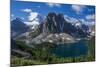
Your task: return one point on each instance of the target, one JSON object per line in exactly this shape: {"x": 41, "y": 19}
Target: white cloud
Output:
{"x": 87, "y": 22}
{"x": 32, "y": 19}
{"x": 22, "y": 18}
{"x": 74, "y": 20}
{"x": 70, "y": 19}
{"x": 90, "y": 17}
{"x": 38, "y": 6}
{"x": 12, "y": 16}
{"x": 78, "y": 8}
{"x": 33, "y": 24}
{"x": 27, "y": 10}
{"x": 32, "y": 16}
{"x": 53, "y": 4}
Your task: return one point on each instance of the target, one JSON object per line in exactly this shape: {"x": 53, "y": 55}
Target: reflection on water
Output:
{"x": 71, "y": 50}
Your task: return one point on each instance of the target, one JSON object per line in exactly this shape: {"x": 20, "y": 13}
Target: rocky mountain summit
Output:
{"x": 54, "y": 29}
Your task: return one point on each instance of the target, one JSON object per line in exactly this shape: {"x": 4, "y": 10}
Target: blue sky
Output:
{"x": 24, "y": 9}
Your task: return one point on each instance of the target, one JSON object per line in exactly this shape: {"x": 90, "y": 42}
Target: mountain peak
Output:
{"x": 18, "y": 27}
{"x": 56, "y": 23}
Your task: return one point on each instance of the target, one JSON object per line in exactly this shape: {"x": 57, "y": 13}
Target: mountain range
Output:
{"x": 55, "y": 28}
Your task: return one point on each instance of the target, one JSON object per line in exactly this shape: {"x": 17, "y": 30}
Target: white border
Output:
{"x": 86, "y": 2}
{"x": 4, "y": 33}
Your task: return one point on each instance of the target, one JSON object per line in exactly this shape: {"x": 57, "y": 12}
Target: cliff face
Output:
{"x": 55, "y": 23}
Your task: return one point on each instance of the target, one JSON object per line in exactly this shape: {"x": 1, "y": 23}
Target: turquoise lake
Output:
{"x": 71, "y": 50}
